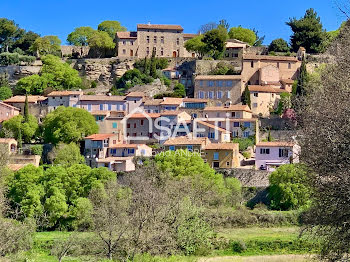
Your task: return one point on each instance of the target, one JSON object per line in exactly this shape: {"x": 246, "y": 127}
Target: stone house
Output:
{"x": 219, "y": 89}
{"x": 174, "y": 123}
{"x": 164, "y": 40}
{"x": 110, "y": 122}
{"x": 7, "y": 111}
{"x": 234, "y": 50}
{"x": 37, "y": 105}
{"x": 63, "y": 98}
{"x": 189, "y": 143}
{"x": 264, "y": 99}
{"x": 93, "y": 103}
{"x": 222, "y": 155}
{"x": 213, "y": 132}
{"x": 270, "y": 155}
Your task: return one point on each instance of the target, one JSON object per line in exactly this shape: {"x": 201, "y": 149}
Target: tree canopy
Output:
{"x": 21, "y": 129}
{"x": 196, "y": 45}
{"x": 100, "y": 39}
{"x": 67, "y": 155}
{"x": 279, "y": 45}
{"x": 47, "y": 45}
{"x": 80, "y": 36}
{"x": 214, "y": 41}
{"x": 308, "y": 32}
{"x": 111, "y": 27}
{"x": 243, "y": 34}
{"x": 68, "y": 124}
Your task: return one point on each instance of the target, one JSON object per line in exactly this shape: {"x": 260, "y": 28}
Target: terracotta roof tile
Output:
{"x": 184, "y": 140}
{"x": 171, "y": 101}
{"x": 136, "y": 94}
{"x": 160, "y": 27}
{"x": 266, "y": 89}
{"x": 98, "y": 137}
{"x": 21, "y": 99}
{"x": 112, "y": 159}
{"x": 125, "y": 146}
{"x": 190, "y": 35}
{"x": 195, "y": 100}
{"x": 65, "y": 93}
{"x": 126, "y": 35}
{"x": 99, "y": 113}
{"x": 222, "y": 146}
{"x": 212, "y": 126}
{"x": 287, "y": 81}
{"x": 9, "y": 106}
{"x": 101, "y": 98}
{"x": 145, "y": 115}
{"x": 152, "y": 102}
{"x": 275, "y": 144}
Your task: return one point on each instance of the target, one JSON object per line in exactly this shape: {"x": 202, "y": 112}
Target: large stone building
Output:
{"x": 165, "y": 40}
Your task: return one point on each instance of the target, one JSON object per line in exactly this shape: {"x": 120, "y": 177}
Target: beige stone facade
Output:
{"x": 222, "y": 155}
{"x": 165, "y": 40}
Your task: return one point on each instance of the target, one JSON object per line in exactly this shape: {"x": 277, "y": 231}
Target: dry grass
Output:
{"x": 277, "y": 258}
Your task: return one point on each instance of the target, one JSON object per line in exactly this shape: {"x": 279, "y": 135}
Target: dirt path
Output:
{"x": 277, "y": 258}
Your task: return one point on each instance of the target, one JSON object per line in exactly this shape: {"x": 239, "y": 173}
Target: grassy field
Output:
{"x": 261, "y": 244}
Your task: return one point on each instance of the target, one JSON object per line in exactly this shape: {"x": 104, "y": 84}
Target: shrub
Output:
{"x": 37, "y": 150}
{"x": 5, "y": 92}
{"x": 238, "y": 246}
{"x": 244, "y": 143}
{"x": 93, "y": 84}
{"x": 247, "y": 154}
{"x": 14, "y": 59}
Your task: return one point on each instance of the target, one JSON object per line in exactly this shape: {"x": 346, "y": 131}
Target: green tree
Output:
{"x": 26, "y": 110}
{"x": 67, "y": 155}
{"x": 25, "y": 42}
{"x": 246, "y": 96}
{"x": 308, "y": 32}
{"x": 33, "y": 85}
{"x": 111, "y": 27}
{"x": 47, "y": 45}
{"x": 288, "y": 187}
{"x": 234, "y": 187}
{"x": 302, "y": 79}
{"x": 243, "y": 34}
{"x": 5, "y": 93}
{"x": 214, "y": 41}
{"x": 18, "y": 127}
{"x": 80, "y": 36}
{"x": 9, "y": 32}
{"x": 101, "y": 41}
{"x": 196, "y": 45}
{"x": 68, "y": 124}
{"x": 179, "y": 90}
{"x": 279, "y": 45}
{"x": 153, "y": 72}
{"x": 26, "y": 190}
{"x": 284, "y": 103}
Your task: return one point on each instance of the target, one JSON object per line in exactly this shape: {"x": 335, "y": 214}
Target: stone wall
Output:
{"x": 75, "y": 51}
{"x": 248, "y": 177}
{"x": 16, "y": 72}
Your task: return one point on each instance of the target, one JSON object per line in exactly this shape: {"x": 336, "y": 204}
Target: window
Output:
{"x": 201, "y": 94}
{"x": 141, "y": 122}
{"x": 220, "y": 83}
{"x": 211, "y": 94}
{"x": 211, "y": 83}
{"x": 131, "y": 151}
{"x": 101, "y": 107}
{"x": 247, "y": 124}
{"x": 113, "y": 151}
{"x": 155, "y": 49}
{"x": 227, "y": 163}
{"x": 246, "y": 134}
{"x": 235, "y": 124}
{"x": 264, "y": 151}
{"x": 219, "y": 94}
{"x": 89, "y": 107}
{"x": 252, "y": 64}
{"x": 211, "y": 135}
{"x": 233, "y": 114}
{"x": 109, "y": 107}
{"x": 201, "y": 82}
{"x": 155, "y": 39}
{"x": 283, "y": 152}
{"x": 162, "y": 51}
{"x": 147, "y": 50}
{"x": 218, "y": 114}
{"x": 228, "y": 93}
{"x": 134, "y": 125}
{"x": 229, "y": 83}
{"x": 216, "y": 164}
{"x": 128, "y": 125}
{"x": 147, "y": 39}
{"x": 278, "y": 65}
{"x": 178, "y": 41}
{"x": 172, "y": 148}
{"x": 124, "y": 51}
{"x": 190, "y": 148}
{"x": 131, "y": 42}
{"x": 256, "y": 94}
{"x": 234, "y": 133}
{"x": 162, "y": 39}
{"x": 60, "y": 97}
{"x": 216, "y": 156}
{"x": 114, "y": 125}
{"x": 255, "y": 105}
{"x": 289, "y": 66}
{"x": 114, "y": 142}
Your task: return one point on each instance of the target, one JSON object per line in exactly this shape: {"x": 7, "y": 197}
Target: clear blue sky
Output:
{"x": 60, "y": 17}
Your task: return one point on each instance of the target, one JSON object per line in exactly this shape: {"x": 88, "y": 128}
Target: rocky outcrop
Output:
{"x": 152, "y": 89}
{"x": 16, "y": 72}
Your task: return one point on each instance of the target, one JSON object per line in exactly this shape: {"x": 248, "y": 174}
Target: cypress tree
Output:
{"x": 269, "y": 137}
{"x": 302, "y": 79}
{"x": 26, "y": 110}
{"x": 246, "y": 97}
{"x": 145, "y": 66}
{"x": 153, "y": 70}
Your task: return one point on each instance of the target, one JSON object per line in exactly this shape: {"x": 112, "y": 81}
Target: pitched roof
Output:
{"x": 270, "y": 57}
{"x": 7, "y": 140}
{"x": 230, "y": 108}
{"x": 136, "y": 94}
{"x": 99, "y": 113}
{"x": 112, "y": 159}
{"x": 266, "y": 89}
{"x": 9, "y": 106}
{"x": 159, "y": 27}
{"x": 21, "y": 99}
{"x": 152, "y": 102}
{"x": 65, "y": 93}
{"x": 218, "y": 77}
{"x": 140, "y": 115}
{"x": 222, "y": 146}
{"x": 125, "y": 146}
{"x": 276, "y": 144}
{"x": 213, "y": 126}
{"x": 98, "y": 137}
{"x": 101, "y": 98}
{"x": 171, "y": 101}
{"x": 184, "y": 140}
{"x": 287, "y": 81}
{"x": 126, "y": 35}
{"x": 190, "y": 35}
